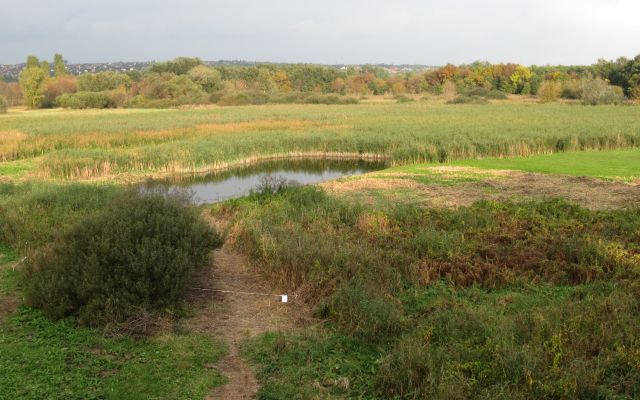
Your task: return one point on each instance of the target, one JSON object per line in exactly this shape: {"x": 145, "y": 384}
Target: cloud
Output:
{"x": 332, "y": 31}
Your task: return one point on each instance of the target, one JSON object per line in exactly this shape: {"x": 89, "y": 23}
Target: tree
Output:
{"x": 32, "y": 79}
{"x": 102, "y": 81}
{"x": 46, "y": 68}
{"x": 178, "y": 66}
{"x": 282, "y": 80}
{"x": 520, "y": 79}
{"x": 32, "y": 61}
{"x": 209, "y": 78}
{"x": 59, "y": 69}
{"x": 12, "y": 92}
{"x": 632, "y": 71}
{"x": 398, "y": 88}
{"x": 338, "y": 86}
{"x": 57, "y": 87}
{"x": 264, "y": 81}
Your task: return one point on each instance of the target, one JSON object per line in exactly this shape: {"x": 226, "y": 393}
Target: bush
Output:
{"x": 103, "y": 81}
{"x": 178, "y": 66}
{"x": 484, "y": 92}
{"x": 596, "y": 91}
{"x": 4, "y": 104}
{"x": 244, "y": 98}
{"x": 171, "y": 89}
{"x": 463, "y": 99}
{"x": 12, "y": 92}
{"x": 84, "y": 100}
{"x": 210, "y": 79}
{"x": 403, "y": 99}
{"x": 135, "y": 257}
{"x": 549, "y": 91}
{"x": 57, "y": 87}
{"x": 327, "y": 99}
{"x": 571, "y": 89}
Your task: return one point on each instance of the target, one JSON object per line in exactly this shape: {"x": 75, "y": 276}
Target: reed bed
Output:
{"x": 112, "y": 143}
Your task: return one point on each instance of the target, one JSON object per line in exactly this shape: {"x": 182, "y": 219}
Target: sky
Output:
{"x": 328, "y": 31}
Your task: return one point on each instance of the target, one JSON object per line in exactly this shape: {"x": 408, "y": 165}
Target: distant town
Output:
{"x": 10, "y": 72}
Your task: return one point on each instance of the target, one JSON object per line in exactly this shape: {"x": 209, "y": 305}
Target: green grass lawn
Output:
{"x": 55, "y": 360}
{"x": 615, "y": 164}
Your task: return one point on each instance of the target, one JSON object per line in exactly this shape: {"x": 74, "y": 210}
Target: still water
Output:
{"x": 212, "y": 188}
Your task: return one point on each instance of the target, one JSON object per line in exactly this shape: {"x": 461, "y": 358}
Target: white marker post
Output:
{"x": 284, "y": 298}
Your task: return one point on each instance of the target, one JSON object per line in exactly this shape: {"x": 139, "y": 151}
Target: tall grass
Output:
{"x": 31, "y": 214}
{"x": 89, "y": 144}
{"x": 496, "y": 300}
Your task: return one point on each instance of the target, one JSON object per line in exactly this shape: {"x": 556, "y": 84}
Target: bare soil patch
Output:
{"x": 234, "y": 317}
{"x": 499, "y": 185}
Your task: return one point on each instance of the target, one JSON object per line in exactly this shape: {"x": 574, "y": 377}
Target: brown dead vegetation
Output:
{"x": 498, "y": 185}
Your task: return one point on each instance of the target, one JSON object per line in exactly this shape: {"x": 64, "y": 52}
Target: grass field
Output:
{"x": 439, "y": 277}
{"x": 91, "y": 144}
{"x": 616, "y": 165}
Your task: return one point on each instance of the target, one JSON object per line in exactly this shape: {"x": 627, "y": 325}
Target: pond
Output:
{"x": 213, "y": 188}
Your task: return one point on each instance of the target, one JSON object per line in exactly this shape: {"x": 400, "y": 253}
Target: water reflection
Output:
{"x": 212, "y": 188}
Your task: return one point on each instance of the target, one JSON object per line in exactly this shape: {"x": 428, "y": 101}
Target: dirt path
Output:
{"x": 234, "y": 317}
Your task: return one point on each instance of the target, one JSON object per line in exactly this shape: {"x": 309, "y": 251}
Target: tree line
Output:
{"x": 190, "y": 81}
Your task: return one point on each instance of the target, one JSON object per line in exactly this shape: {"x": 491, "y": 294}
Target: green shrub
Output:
{"x": 464, "y": 99}
{"x": 103, "y": 81}
{"x": 82, "y": 100}
{"x": 209, "y": 78}
{"x": 166, "y": 90}
{"x": 571, "y": 89}
{"x": 178, "y": 66}
{"x": 257, "y": 97}
{"x": 244, "y": 98}
{"x": 4, "y": 104}
{"x": 596, "y": 91}
{"x": 493, "y": 94}
{"x": 135, "y": 257}
{"x": 549, "y": 91}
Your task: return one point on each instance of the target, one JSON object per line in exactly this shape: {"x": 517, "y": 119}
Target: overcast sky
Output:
{"x": 327, "y": 31}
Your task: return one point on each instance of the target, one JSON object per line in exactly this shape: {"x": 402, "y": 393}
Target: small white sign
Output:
{"x": 284, "y": 298}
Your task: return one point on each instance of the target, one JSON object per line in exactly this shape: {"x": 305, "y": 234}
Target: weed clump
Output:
{"x": 134, "y": 258}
